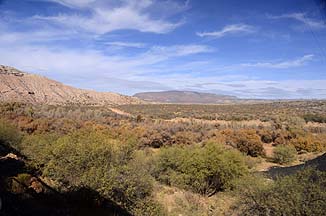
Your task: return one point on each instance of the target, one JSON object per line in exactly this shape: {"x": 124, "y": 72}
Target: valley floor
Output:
{"x": 196, "y": 160}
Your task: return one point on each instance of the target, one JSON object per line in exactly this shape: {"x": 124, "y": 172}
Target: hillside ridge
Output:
{"x": 19, "y": 86}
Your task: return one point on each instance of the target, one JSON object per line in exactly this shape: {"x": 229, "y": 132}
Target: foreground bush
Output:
{"x": 9, "y": 138}
{"x": 284, "y": 154}
{"x": 205, "y": 170}
{"x": 91, "y": 158}
{"x": 301, "y": 194}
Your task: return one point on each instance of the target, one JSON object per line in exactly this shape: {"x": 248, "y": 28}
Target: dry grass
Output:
{"x": 120, "y": 112}
{"x": 224, "y": 123}
{"x": 178, "y": 202}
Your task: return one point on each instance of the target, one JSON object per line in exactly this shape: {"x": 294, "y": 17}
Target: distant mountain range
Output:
{"x": 188, "y": 97}
{"x": 18, "y": 86}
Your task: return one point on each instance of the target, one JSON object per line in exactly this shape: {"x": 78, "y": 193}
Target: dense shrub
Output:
{"x": 38, "y": 148}
{"x": 91, "y": 158}
{"x": 155, "y": 139}
{"x": 302, "y": 140}
{"x": 247, "y": 141}
{"x": 9, "y": 137}
{"x": 204, "y": 170}
{"x": 303, "y": 193}
{"x": 266, "y": 136}
{"x": 284, "y": 154}
{"x": 281, "y": 138}
{"x": 293, "y": 122}
{"x": 309, "y": 142}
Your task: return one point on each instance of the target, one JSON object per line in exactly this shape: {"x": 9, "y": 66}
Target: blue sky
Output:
{"x": 247, "y": 48}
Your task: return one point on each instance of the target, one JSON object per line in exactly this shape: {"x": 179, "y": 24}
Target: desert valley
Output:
{"x": 162, "y": 108}
{"x": 67, "y": 151}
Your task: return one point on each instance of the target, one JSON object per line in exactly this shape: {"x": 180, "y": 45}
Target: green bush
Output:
{"x": 19, "y": 184}
{"x": 91, "y": 158}
{"x": 284, "y": 154}
{"x": 9, "y": 135}
{"x": 37, "y": 148}
{"x": 303, "y": 193}
{"x": 205, "y": 170}
{"x": 149, "y": 207}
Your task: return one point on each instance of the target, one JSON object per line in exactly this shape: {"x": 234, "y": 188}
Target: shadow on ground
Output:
{"x": 318, "y": 163}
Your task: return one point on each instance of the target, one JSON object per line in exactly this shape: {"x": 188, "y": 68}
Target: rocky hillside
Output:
{"x": 185, "y": 97}
{"x": 18, "y": 86}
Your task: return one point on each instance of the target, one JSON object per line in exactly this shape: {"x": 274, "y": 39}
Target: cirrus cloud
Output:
{"x": 301, "y": 17}
{"x": 227, "y": 30}
{"x": 108, "y": 16}
{"x": 282, "y": 64}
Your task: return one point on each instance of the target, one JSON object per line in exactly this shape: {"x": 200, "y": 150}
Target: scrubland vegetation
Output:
{"x": 163, "y": 159}
{"x": 309, "y": 110}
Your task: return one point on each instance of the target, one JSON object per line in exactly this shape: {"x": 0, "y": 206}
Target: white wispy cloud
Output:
{"x": 229, "y": 29}
{"x": 159, "y": 54}
{"x": 282, "y": 64}
{"x": 301, "y": 17}
{"x": 106, "y": 16}
{"x": 179, "y": 50}
{"x": 73, "y": 3}
{"x": 76, "y": 61}
{"x": 39, "y": 47}
{"x": 125, "y": 44}
{"x": 246, "y": 87}
{"x": 38, "y": 36}
{"x": 93, "y": 69}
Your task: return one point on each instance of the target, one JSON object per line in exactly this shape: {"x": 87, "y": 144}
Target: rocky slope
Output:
{"x": 18, "y": 86}
{"x": 189, "y": 97}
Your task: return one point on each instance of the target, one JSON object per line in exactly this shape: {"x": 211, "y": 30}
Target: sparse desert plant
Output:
{"x": 284, "y": 154}
{"x": 266, "y": 138}
{"x": 320, "y": 118}
{"x": 293, "y": 122}
{"x": 203, "y": 169}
